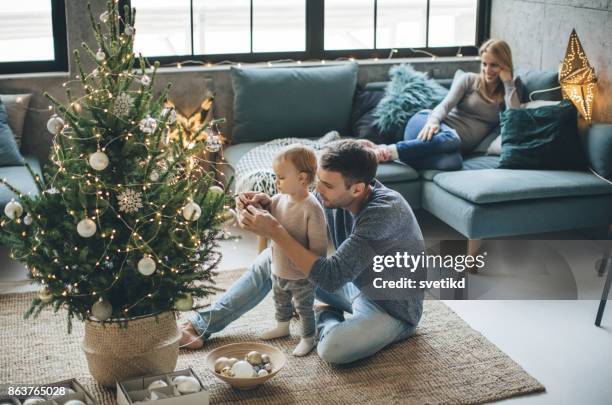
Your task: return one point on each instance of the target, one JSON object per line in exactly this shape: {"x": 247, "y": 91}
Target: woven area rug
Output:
{"x": 446, "y": 362}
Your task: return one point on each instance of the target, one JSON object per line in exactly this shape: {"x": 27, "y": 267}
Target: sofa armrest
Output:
{"x": 598, "y": 149}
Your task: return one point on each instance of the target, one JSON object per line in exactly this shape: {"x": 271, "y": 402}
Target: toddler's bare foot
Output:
{"x": 190, "y": 338}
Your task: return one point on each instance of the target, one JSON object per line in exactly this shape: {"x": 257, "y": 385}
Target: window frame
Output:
{"x": 60, "y": 47}
{"x": 315, "y": 21}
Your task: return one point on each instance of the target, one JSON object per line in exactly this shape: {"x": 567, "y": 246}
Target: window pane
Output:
{"x": 349, "y": 24}
{"x": 401, "y": 23}
{"x": 26, "y": 31}
{"x": 279, "y": 25}
{"x": 163, "y": 28}
{"x": 452, "y": 22}
{"x": 221, "y": 26}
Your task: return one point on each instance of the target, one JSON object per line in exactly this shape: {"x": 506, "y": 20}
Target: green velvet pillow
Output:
{"x": 271, "y": 103}
{"x": 541, "y": 138}
{"x": 9, "y": 151}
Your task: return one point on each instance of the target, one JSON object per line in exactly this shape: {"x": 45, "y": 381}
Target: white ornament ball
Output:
{"x": 154, "y": 176}
{"x": 184, "y": 304}
{"x": 28, "y": 219}
{"x": 33, "y": 400}
{"x": 192, "y": 211}
{"x": 55, "y": 124}
{"x": 45, "y": 295}
{"x": 129, "y": 30}
{"x": 98, "y": 160}
{"x": 157, "y": 384}
{"x": 13, "y": 209}
{"x": 86, "y": 228}
{"x": 221, "y": 363}
{"x": 102, "y": 310}
{"x": 188, "y": 385}
{"x": 170, "y": 113}
{"x": 216, "y": 191}
{"x": 74, "y": 402}
{"x": 146, "y": 266}
{"x": 104, "y": 17}
{"x": 262, "y": 373}
{"x": 233, "y": 361}
{"x": 145, "y": 80}
{"x": 100, "y": 56}
{"x": 242, "y": 369}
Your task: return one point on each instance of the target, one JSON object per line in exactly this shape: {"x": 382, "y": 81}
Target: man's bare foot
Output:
{"x": 383, "y": 154}
{"x": 190, "y": 338}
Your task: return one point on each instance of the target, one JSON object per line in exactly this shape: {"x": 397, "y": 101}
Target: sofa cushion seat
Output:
{"x": 19, "y": 177}
{"x": 474, "y": 162}
{"x": 391, "y": 172}
{"x": 499, "y": 185}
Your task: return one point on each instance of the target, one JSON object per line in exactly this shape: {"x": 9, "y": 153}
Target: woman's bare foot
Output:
{"x": 190, "y": 338}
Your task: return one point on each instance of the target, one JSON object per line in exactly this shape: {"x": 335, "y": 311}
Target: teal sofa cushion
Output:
{"x": 598, "y": 147}
{"x": 9, "y": 151}
{"x": 272, "y": 103}
{"x": 533, "y": 80}
{"x": 497, "y": 185}
{"x": 541, "y": 138}
{"x": 471, "y": 162}
{"x": 19, "y": 177}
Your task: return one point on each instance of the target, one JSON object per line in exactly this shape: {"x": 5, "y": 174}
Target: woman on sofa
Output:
{"x": 436, "y": 139}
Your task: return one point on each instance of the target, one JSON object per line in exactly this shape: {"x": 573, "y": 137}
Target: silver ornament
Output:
{"x": 254, "y": 357}
{"x": 28, "y": 219}
{"x": 13, "y": 209}
{"x": 265, "y": 358}
{"x": 212, "y": 143}
{"x": 86, "y": 228}
{"x": 129, "y": 30}
{"x": 148, "y": 125}
{"x": 100, "y": 56}
{"x": 102, "y": 310}
{"x": 146, "y": 266}
{"x": 192, "y": 211}
{"x": 55, "y": 124}
{"x": 262, "y": 373}
{"x": 170, "y": 113}
{"x": 98, "y": 160}
{"x": 184, "y": 304}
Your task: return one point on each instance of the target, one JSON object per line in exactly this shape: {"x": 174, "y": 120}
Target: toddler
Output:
{"x": 301, "y": 214}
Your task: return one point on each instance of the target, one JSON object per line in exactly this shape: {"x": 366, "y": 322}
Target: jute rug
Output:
{"x": 446, "y": 362}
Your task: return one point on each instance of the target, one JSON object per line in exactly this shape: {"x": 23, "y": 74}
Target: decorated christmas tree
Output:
{"x": 126, "y": 222}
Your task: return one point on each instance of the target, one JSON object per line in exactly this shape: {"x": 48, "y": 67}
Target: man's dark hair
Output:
{"x": 356, "y": 162}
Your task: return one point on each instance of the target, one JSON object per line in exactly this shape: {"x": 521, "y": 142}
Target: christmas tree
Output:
{"x": 126, "y": 222}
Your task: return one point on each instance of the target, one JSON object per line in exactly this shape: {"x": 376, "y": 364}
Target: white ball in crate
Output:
{"x": 98, "y": 160}
{"x": 157, "y": 384}
{"x": 184, "y": 304}
{"x": 192, "y": 211}
{"x": 146, "y": 266}
{"x": 74, "y": 402}
{"x": 55, "y": 124}
{"x": 13, "y": 209}
{"x": 102, "y": 310}
{"x": 188, "y": 385}
{"x": 86, "y": 228}
{"x": 242, "y": 369}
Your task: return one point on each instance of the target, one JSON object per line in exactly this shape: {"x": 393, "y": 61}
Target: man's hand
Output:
{"x": 428, "y": 131}
{"x": 260, "y": 222}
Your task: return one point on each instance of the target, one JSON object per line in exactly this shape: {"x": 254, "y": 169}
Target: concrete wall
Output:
{"x": 189, "y": 83}
{"x": 538, "y": 32}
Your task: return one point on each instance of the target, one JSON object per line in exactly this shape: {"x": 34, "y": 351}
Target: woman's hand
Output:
{"x": 428, "y": 131}
{"x": 259, "y": 221}
{"x": 505, "y": 74}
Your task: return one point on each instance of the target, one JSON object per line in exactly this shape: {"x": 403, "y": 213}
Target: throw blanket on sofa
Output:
{"x": 254, "y": 170}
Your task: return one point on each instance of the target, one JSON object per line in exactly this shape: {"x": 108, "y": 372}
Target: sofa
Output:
{"x": 479, "y": 201}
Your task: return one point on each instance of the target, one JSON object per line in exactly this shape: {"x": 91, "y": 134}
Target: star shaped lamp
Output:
{"x": 577, "y": 78}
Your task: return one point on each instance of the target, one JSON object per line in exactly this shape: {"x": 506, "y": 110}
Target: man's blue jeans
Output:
{"x": 369, "y": 330}
{"x": 441, "y": 152}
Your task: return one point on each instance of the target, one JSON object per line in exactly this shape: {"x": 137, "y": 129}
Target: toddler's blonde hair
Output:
{"x": 304, "y": 159}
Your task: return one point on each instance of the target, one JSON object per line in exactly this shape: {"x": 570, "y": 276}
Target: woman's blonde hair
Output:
{"x": 302, "y": 157}
{"x": 500, "y": 50}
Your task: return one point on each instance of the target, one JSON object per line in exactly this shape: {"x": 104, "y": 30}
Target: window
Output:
{"x": 32, "y": 36}
{"x": 263, "y": 30}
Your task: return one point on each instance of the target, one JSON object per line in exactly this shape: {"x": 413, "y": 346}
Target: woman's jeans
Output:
{"x": 441, "y": 152}
{"x": 368, "y": 330}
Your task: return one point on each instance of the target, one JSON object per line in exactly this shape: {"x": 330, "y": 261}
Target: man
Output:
{"x": 362, "y": 215}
